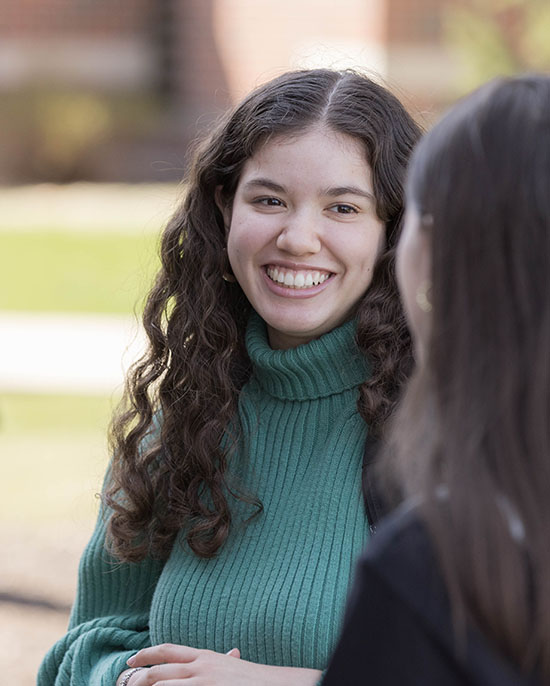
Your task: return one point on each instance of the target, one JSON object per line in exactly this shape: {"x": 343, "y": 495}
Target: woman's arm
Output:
{"x": 109, "y": 619}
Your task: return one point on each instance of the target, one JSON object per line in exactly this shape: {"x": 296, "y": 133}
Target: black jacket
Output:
{"x": 397, "y": 630}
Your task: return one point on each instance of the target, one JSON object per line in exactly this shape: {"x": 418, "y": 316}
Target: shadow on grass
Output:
{"x": 33, "y": 601}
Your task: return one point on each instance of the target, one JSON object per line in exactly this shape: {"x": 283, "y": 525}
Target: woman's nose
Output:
{"x": 300, "y": 235}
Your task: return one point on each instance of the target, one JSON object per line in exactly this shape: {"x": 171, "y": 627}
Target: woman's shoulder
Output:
{"x": 401, "y": 559}
{"x": 400, "y": 536}
{"x": 401, "y": 555}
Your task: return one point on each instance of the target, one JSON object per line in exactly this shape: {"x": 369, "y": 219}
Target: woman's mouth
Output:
{"x": 297, "y": 278}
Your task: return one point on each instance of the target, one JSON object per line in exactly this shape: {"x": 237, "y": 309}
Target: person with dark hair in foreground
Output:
{"x": 455, "y": 587}
{"x": 232, "y": 510}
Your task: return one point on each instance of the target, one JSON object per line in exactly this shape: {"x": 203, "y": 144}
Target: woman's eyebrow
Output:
{"x": 264, "y": 183}
{"x": 333, "y": 191}
{"x": 352, "y": 190}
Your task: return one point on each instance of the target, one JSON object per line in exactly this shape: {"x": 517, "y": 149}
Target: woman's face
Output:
{"x": 413, "y": 267}
{"x": 303, "y": 234}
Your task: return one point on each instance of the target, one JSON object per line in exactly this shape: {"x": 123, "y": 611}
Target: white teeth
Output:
{"x": 299, "y": 279}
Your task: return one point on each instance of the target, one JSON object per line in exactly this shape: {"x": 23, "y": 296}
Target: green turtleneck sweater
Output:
{"x": 278, "y": 586}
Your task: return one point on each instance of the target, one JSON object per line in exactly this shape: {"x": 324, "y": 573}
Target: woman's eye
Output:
{"x": 342, "y": 208}
{"x": 270, "y": 202}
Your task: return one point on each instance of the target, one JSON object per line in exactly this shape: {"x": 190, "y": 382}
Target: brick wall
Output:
{"x": 93, "y": 44}
{"x": 84, "y": 17}
{"x": 414, "y": 21}
{"x": 200, "y": 74}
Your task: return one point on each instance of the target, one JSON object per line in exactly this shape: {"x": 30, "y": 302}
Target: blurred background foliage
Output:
{"x": 56, "y": 133}
{"x": 497, "y": 37}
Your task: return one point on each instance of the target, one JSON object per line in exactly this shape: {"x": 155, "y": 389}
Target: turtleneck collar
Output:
{"x": 325, "y": 366}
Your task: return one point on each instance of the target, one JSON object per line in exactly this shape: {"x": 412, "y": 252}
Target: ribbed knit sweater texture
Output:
{"x": 278, "y": 586}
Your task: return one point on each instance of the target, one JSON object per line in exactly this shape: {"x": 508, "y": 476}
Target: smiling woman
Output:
{"x": 233, "y": 510}
{"x": 305, "y": 256}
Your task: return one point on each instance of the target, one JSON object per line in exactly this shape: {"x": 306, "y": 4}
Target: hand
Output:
{"x": 234, "y": 652}
{"x": 175, "y": 665}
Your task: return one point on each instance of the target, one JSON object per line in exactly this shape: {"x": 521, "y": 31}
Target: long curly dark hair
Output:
{"x": 174, "y": 433}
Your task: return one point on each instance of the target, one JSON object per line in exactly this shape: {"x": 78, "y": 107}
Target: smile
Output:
{"x": 302, "y": 278}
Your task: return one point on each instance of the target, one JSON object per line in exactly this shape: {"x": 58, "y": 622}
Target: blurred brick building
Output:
{"x": 116, "y": 89}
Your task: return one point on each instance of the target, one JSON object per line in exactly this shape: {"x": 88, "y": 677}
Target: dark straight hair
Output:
{"x": 474, "y": 424}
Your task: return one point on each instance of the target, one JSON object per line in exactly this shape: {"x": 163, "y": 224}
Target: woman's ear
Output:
{"x": 224, "y": 208}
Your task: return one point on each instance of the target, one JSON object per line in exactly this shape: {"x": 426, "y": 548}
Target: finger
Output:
{"x": 165, "y": 652}
{"x": 168, "y": 673}
{"x": 234, "y": 652}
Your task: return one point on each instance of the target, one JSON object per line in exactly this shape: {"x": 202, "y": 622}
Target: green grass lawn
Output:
{"x": 54, "y": 453}
{"x": 76, "y": 272}
{"x": 41, "y": 414}
{"x": 53, "y": 448}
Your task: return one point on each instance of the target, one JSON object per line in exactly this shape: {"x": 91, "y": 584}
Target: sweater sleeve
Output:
{"x": 109, "y": 620}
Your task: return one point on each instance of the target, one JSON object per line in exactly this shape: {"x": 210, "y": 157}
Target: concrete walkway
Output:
{"x": 66, "y": 353}
{"x": 87, "y": 207}
{"x": 75, "y": 353}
